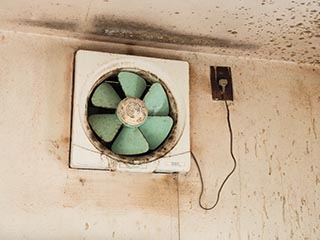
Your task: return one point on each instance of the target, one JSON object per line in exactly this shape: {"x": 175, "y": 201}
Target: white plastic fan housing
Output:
{"x": 90, "y": 67}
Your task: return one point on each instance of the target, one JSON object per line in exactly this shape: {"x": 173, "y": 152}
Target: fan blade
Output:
{"x": 156, "y": 101}
{"x": 156, "y": 129}
{"x": 130, "y": 141}
{"x": 132, "y": 84}
{"x": 105, "y": 126}
{"x": 105, "y": 96}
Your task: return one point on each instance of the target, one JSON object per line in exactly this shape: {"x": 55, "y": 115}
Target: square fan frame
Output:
{"x": 90, "y": 66}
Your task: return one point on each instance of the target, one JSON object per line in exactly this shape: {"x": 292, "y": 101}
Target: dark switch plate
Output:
{"x": 217, "y": 73}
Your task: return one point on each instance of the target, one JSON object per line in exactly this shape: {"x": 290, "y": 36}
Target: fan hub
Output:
{"x": 132, "y": 112}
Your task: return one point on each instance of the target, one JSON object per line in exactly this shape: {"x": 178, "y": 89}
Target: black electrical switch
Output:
{"x": 218, "y": 73}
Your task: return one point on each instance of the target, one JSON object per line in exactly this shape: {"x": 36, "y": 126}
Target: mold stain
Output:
{"x": 296, "y": 23}
{"x": 133, "y": 30}
{"x": 51, "y": 24}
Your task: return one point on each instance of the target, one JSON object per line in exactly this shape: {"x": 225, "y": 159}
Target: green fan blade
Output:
{"x": 105, "y": 96}
{"x": 105, "y": 126}
{"x": 156, "y": 101}
{"x": 132, "y": 84}
{"x": 156, "y": 129}
{"x": 130, "y": 141}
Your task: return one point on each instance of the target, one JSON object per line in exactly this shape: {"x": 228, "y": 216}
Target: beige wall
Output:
{"x": 269, "y": 29}
{"x": 274, "y": 193}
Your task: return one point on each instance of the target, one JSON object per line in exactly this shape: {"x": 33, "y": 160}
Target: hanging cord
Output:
{"x": 230, "y": 173}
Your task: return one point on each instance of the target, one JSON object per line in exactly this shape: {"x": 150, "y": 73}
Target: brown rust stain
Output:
{"x": 139, "y": 31}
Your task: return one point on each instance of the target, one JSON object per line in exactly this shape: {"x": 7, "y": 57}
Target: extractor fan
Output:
{"x": 130, "y": 113}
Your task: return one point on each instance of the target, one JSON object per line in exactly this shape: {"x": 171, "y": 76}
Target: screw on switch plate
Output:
{"x": 221, "y": 83}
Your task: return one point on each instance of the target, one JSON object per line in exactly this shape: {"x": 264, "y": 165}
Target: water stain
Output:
{"x": 86, "y": 226}
{"x": 58, "y": 148}
{"x": 256, "y": 147}
{"x": 54, "y": 144}
{"x": 314, "y": 128}
{"x": 283, "y": 198}
{"x": 307, "y": 148}
{"x": 246, "y": 150}
{"x": 82, "y": 181}
{"x": 120, "y": 190}
{"x": 269, "y": 162}
{"x": 297, "y": 218}
{"x": 264, "y": 207}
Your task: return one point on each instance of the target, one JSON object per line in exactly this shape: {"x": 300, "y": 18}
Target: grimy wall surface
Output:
{"x": 269, "y": 29}
{"x": 274, "y": 193}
